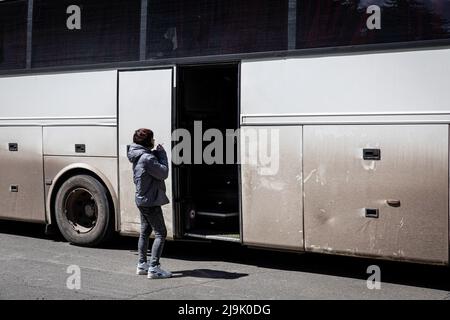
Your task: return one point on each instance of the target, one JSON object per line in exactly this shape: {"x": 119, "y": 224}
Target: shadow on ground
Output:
{"x": 417, "y": 275}
{"x": 208, "y": 274}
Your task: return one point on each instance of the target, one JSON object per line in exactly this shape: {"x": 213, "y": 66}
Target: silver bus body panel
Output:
{"x": 66, "y": 108}
{"x": 67, "y": 95}
{"x": 59, "y": 122}
{"x": 394, "y": 89}
{"x": 145, "y": 101}
{"x": 272, "y": 202}
{"x": 319, "y": 119}
{"x": 98, "y": 141}
{"x": 340, "y": 185}
{"x": 21, "y": 174}
{"x": 371, "y": 83}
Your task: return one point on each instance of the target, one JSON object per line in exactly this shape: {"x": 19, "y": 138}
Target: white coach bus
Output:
{"x": 358, "y": 93}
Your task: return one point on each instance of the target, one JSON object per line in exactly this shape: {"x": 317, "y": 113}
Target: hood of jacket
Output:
{"x": 136, "y": 151}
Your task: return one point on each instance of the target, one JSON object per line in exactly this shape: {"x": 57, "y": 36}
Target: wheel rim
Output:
{"x": 81, "y": 210}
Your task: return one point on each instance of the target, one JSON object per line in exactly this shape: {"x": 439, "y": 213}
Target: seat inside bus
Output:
{"x": 208, "y": 194}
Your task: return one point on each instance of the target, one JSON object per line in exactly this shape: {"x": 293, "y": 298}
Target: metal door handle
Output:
{"x": 393, "y": 203}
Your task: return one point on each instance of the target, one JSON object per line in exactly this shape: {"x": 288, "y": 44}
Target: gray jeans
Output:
{"x": 151, "y": 220}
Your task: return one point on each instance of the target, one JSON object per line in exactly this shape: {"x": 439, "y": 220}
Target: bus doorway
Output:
{"x": 206, "y": 182}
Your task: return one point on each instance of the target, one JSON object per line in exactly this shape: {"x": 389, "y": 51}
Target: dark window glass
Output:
{"x": 182, "y": 28}
{"x": 109, "y": 32}
{"x": 13, "y": 34}
{"x": 322, "y": 23}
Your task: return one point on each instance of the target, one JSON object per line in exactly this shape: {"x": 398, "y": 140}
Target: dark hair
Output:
{"x": 143, "y": 137}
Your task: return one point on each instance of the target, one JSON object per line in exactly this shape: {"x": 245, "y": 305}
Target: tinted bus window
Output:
{"x": 13, "y": 34}
{"x": 92, "y": 31}
{"x": 323, "y": 23}
{"x": 181, "y": 28}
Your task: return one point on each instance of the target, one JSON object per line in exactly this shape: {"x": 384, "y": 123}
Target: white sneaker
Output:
{"x": 142, "y": 269}
{"x": 158, "y": 273}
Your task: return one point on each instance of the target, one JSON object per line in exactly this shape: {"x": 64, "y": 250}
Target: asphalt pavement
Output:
{"x": 36, "y": 266}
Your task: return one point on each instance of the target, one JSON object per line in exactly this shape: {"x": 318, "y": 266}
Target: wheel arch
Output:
{"x": 79, "y": 169}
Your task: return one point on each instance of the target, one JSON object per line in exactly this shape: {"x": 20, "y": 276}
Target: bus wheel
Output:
{"x": 82, "y": 211}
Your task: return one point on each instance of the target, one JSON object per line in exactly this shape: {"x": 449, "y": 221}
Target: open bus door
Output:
{"x": 145, "y": 101}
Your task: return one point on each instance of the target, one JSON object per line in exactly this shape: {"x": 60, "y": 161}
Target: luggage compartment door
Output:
{"x": 377, "y": 190}
{"x": 145, "y": 101}
{"x": 21, "y": 174}
{"x": 271, "y": 173}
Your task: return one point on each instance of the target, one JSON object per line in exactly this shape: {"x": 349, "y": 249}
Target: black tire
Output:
{"x": 83, "y": 212}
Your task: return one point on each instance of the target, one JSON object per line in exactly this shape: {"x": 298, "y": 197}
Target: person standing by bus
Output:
{"x": 150, "y": 169}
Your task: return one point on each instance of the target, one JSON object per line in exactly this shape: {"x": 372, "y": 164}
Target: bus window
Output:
{"x": 105, "y": 31}
{"x": 331, "y": 23}
{"x": 182, "y": 28}
{"x": 13, "y": 34}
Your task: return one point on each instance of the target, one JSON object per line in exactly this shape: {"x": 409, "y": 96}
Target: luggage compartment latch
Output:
{"x": 80, "y": 148}
{"x": 13, "y": 147}
{"x": 372, "y": 213}
{"x": 371, "y": 154}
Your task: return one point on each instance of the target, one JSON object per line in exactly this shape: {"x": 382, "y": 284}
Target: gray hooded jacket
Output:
{"x": 150, "y": 169}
